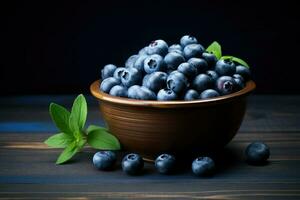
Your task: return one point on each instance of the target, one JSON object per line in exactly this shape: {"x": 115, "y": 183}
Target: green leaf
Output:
{"x": 235, "y": 59}
{"x": 102, "y": 139}
{"x": 94, "y": 127}
{"x": 60, "y": 140}
{"x": 78, "y": 114}
{"x": 215, "y": 48}
{"x": 60, "y": 117}
{"x": 68, "y": 153}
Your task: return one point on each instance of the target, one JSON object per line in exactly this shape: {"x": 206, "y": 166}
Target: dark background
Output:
{"x": 50, "y": 47}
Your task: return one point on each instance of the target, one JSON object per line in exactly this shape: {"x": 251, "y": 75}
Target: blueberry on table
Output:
{"x": 187, "y": 69}
{"x": 225, "y": 85}
{"x": 225, "y": 67}
{"x": 202, "y": 82}
{"x": 131, "y": 76}
{"x": 155, "y": 81}
{"x": 108, "y": 83}
{"x": 104, "y": 160}
{"x": 243, "y": 71}
{"x": 257, "y": 153}
{"x": 132, "y": 164}
{"x": 157, "y": 47}
{"x": 173, "y": 60}
{"x": 209, "y": 93}
{"x": 131, "y": 60}
{"x": 118, "y": 73}
{"x": 188, "y": 39}
{"x": 175, "y": 47}
{"x": 193, "y": 50}
{"x": 199, "y": 63}
{"x": 191, "y": 95}
{"x": 108, "y": 71}
{"x": 118, "y": 91}
{"x": 177, "y": 82}
{"x": 165, "y": 163}
{"x": 210, "y": 58}
{"x": 203, "y": 166}
{"x": 154, "y": 63}
{"x": 166, "y": 95}
{"x": 214, "y": 75}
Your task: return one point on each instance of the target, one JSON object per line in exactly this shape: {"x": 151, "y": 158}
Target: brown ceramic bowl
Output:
{"x": 178, "y": 127}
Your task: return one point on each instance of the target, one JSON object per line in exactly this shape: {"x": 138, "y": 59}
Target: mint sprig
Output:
{"x": 73, "y": 137}
{"x": 215, "y": 48}
{"x": 235, "y": 59}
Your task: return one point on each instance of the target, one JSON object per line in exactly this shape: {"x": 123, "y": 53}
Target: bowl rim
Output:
{"x": 101, "y": 96}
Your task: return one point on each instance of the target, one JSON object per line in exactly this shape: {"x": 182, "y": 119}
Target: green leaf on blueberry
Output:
{"x": 235, "y": 59}
{"x": 215, "y": 48}
{"x": 73, "y": 137}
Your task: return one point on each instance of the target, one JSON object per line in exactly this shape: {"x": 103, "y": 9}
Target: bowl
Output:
{"x": 178, "y": 127}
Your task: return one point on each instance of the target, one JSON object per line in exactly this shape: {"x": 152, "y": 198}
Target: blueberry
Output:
{"x": 225, "y": 67}
{"x": 193, "y": 50}
{"x": 210, "y": 58}
{"x": 191, "y": 95}
{"x": 203, "y": 166}
{"x": 202, "y": 82}
{"x": 139, "y": 63}
{"x": 132, "y": 164}
{"x": 244, "y": 72}
{"x": 104, "y": 160}
{"x": 108, "y": 83}
{"x": 188, "y": 39}
{"x": 143, "y": 51}
{"x": 119, "y": 91}
{"x": 165, "y": 163}
{"x": 131, "y": 76}
{"x": 225, "y": 85}
{"x": 108, "y": 71}
{"x": 212, "y": 74}
{"x": 177, "y": 82}
{"x": 175, "y": 47}
{"x": 132, "y": 91}
{"x": 157, "y": 47}
{"x": 209, "y": 93}
{"x": 173, "y": 59}
{"x": 257, "y": 153}
{"x": 131, "y": 60}
{"x": 166, "y": 95}
{"x": 145, "y": 79}
{"x": 154, "y": 63}
{"x": 118, "y": 73}
{"x": 199, "y": 63}
{"x": 239, "y": 81}
{"x": 141, "y": 93}
{"x": 156, "y": 81}
{"x": 187, "y": 69}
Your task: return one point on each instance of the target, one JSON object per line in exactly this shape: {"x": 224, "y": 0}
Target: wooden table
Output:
{"x": 27, "y": 169}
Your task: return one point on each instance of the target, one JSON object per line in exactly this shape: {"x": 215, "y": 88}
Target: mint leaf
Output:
{"x": 78, "y": 114}
{"x": 215, "y": 48}
{"x": 60, "y": 140}
{"x": 102, "y": 139}
{"x": 68, "y": 153}
{"x": 60, "y": 116}
{"x": 235, "y": 59}
{"x": 94, "y": 127}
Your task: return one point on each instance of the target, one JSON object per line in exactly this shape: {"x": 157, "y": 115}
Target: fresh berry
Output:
{"x": 104, "y": 160}
{"x": 175, "y": 47}
{"x": 155, "y": 81}
{"x": 191, "y": 95}
{"x": 225, "y": 67}
{"x": 108, "y": 71}
{"x": 239, "y": 81}
{"x": 132, "y": 91}
{"x": 202, "y": 82}
{"x": 157, "y": 47}
{"x": 118, "y": 73}
{"x": 212, "y": 74}
{"x": 154, "y": 63}
{"x": 119, "y": 91}
{"x": 173, "y": 60}
{"x": 188, "y": 39}
{"x": 209, "y": 93}
{"x": 177, "y": 82}
{"x": 165, "y": 163}
{"x": 199, "y": 63}
{"x": 132, "y": 164}
{"x": 131, "y": 76}
{"x": 243, "y": 71}
{"x": 131, "y": 60}
{"x": 187, "y": 69}
{"x": 225, "y": 85}
{"x": 166, "y": 95}
{"x": 210, "y": 58}
{"x": 193, "y": 50}
{"x": 203, "y": 166}
{"x": 257, "y": 153}
{"x": 143, "y": 51}
{"x": 108, "y": 83}
{"x": 141, "y": 93}
{"x": 139, "y": 63}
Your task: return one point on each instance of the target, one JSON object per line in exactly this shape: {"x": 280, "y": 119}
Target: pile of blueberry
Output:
{"x": 180, "y": 71}
{"x": 132, "y": 164}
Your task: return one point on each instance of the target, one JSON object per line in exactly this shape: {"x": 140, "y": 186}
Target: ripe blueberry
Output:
{"x": 154, "y": 63}
{"x": 239, "y": 81}
{"x": 188, "y": 39}
{"x": 157, "y": 47}
{"x": 118, "y": 73}
{"x": 225, "y": 85}
{"x": 243, "y": 71}
{"x": 209, "y": 93}
{"x": 166, "y": 95}
{"x": 119, "y": 91}
{"x": 177, "y": 82}
{"x": 225, "y": 67}
{"x": 199, "y": 63}
{"x": 108, "y": 71}
{"x": 143, "y": 51}
{"x": 187, "y": 69}
{"x": 175, "y": 47}
{"x": 104, "y": 160}
{"x": 131, "y": 76}
{"x": 212, "y": 74}
{"x": 210, "y": 58}
{"x": 141, "y": 93}
{"x": 132, "y": 164}
{"x": 202, "y": 82}
{"x": 165, "y": 163}
{"x": 203, "y": 166}
{"x": 139, "y": 63}
{"x": 193, "y": 50}
{"x": 155, "y": 81}
{"x": 131, "y": 60}
{"x": 173, "y": 59}
{"x": 257, "y": 153}
{"x": 108, "y": 83}
{"x": 191, "y": 95}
